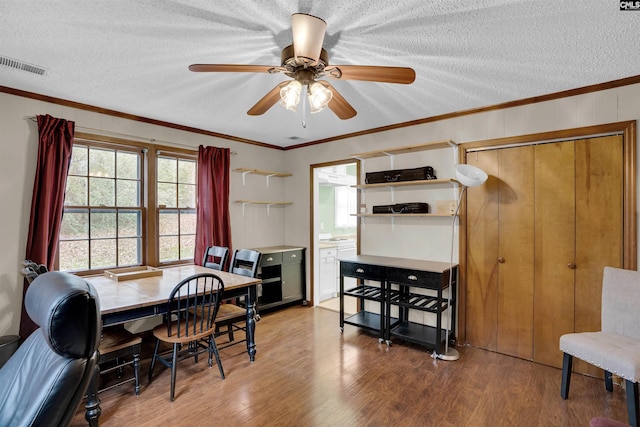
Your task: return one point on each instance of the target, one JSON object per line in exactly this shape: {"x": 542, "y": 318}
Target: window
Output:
{"x": 176, "y": 189}
{"x": 346, "y": 199}
{"x": 102, "y": 222}
{"x": 107, "y": 221}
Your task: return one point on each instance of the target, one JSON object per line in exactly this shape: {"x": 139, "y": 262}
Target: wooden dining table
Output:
{"x": 123, "y": 301}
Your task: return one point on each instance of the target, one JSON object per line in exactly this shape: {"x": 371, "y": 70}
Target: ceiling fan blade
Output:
{"x": 372, "y": 73}
{"x": 231, "y": 68}
{"x": 338, "y": 104}
{"x": 267, "y": 101}
{"x": 308, "y": 36}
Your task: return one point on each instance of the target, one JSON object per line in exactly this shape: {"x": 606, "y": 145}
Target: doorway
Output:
{"x": 334, "y": 226}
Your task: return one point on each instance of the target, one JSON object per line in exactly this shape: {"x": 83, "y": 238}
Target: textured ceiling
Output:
{"x": 132, "y": 56}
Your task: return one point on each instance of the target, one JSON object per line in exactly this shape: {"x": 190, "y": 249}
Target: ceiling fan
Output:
{"x": 305, "y": 61}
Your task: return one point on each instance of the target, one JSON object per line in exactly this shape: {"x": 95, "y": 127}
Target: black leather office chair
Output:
{"x": 46, "y": 378}
{"x": 244, "y": 262}
{"x": 215, "y": 257}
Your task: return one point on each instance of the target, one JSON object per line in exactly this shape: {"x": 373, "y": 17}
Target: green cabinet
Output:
{"x": 282, "y": 270}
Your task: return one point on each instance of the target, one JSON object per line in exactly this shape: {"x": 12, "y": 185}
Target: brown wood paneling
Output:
{"x": 482, "y": 250}
{"x": 599, "y": 228}
{"x": 515, "y": 279}
{"x": 554, "y": 249}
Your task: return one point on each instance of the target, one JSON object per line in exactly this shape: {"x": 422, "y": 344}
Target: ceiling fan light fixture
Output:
{"x": 308, "y": 36}
{"x": 290, "y": 95}
{"x": 319, "y": 97}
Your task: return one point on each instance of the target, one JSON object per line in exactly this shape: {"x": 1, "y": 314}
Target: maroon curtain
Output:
{"x": 214, "y": 223}
{"x": 55, "y": 142}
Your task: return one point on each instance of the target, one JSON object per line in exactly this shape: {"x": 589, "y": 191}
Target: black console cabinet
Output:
{"x": 282, "y": 270}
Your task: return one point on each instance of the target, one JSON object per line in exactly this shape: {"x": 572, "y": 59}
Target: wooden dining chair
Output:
{"x": 215, "y": 257}
{"x": 244, "y": 262}
{"x": 192, "y": 308}
{"x": 118, "y": 349}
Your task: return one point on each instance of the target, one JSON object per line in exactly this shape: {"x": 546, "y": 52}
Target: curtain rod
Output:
{"x": 124, "y": 135}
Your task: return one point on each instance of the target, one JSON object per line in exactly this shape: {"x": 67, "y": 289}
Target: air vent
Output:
{"x": 19, "y": 65}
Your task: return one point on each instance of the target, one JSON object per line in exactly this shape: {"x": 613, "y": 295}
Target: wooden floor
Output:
{"x": 307, "y": 373}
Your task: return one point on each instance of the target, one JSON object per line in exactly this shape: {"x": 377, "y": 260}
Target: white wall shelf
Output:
{"x": 261, "y": 202}
{"x": 267, "y": 174}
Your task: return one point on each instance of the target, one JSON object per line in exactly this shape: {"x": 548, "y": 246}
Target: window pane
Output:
{"x": 167, "y": 195}
{"x": 128, "y": 193}
{"x": 129, "y": 223}
{"x": 169, "y": 248}
{"x": 188, "y": 222}
{"x": 103, "y": 224}
{"x": 186, "y": 196}
{"x": 76, "y": 193}
{"x": 187, "y": 247}
{"x": 102, "y": 163}
{"x": 128, "y": 165}
{"x": 129, "y": 251}
{"x": 186, "y": 171}
{"x": 168, "y": 223}
{"x": 102, "y": 192}
{"x": 103, "y": 253}
{"x": 79, "y": 156}
{"x": 74, "y": 255}
{"x": 75, "y": 225}
{"x": 167, "y": 170}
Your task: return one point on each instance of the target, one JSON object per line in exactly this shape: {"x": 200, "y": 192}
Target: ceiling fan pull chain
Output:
{"x": 304, "y": 109}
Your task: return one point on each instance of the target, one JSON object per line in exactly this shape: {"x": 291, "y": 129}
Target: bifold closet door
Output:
{"x": 539, "y": 233}
{"x": 554, "y": 248}
{"x": 579, "y": 230}
{"x": 500, "y": 252}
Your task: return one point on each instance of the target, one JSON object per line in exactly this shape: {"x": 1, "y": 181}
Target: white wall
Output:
{"x": 411, "y": 238}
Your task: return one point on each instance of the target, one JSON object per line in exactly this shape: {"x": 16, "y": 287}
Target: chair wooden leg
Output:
{"x": 567, "y": 364}
{"x": 608, "y": 381}
{"x": 153, "y": 359}
{"x": 633, "y": 407}
{"x": 174, "y": 363}
{"x": 213, "y": 348}
{"x": 136, "y": 371}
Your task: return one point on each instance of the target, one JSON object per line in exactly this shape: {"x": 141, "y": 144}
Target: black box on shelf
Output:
{"x": 402, "y": 208}
{"x": 399, "y": 175}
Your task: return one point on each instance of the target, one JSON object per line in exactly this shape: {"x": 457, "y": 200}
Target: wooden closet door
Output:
{"x": 554, "y": 249}
{"x": 482, "y": 252}
{"x": 599, "y": 228}
{"x": 515, "y": 252}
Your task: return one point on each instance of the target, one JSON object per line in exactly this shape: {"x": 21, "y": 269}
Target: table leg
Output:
{"x": 92, "y": 406}
{"x": 251, "y": 322}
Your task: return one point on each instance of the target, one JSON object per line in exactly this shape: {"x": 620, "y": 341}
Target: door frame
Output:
{"x": 313, "y": 259}
{"x": 627, "y": 129}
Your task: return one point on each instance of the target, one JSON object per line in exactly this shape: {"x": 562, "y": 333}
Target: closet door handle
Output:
{"x": 501, "y": 260}
{"x": 571, "y": 265}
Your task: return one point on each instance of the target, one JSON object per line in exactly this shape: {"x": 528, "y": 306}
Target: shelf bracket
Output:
{"x": 391, "y": 157}
{"x": 244, "y": 174}
{"x": 392, "y": 194}
{"x": 393, "y": 223}
{"x": 269, "y": 176}
{"x": 243, "y": 205}
{"x": 268, "y": 208}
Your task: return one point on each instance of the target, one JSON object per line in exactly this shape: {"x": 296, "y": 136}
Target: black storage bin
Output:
{"x": 402, "y": 208}
{"x": 399, "y": 175}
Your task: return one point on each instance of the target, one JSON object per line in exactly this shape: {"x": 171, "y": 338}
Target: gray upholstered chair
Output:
{"x": 45, "y": 380}
{"x": 616, "y": 347}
